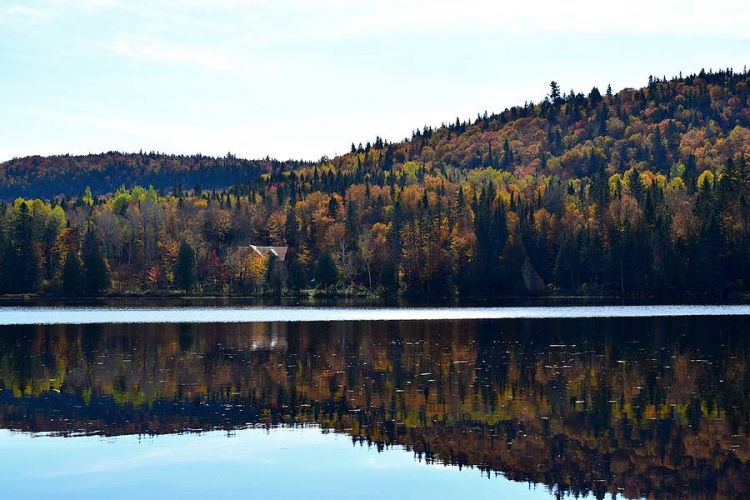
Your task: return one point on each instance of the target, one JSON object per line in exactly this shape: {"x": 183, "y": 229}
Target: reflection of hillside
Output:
{"x": 640, "y": 406}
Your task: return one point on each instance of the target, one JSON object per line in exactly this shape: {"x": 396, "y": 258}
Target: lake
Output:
{"x": 249, "y": 402}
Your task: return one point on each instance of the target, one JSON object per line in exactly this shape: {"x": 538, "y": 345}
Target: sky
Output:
{"x": 248, "y": 463}
{"x": 299, "y": 79}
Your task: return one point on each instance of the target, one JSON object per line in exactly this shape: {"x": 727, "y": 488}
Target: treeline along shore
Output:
{"x": 642, "y": 193}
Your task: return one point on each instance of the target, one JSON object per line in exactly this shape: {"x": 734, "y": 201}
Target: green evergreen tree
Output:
{"x": 290, "y": 228}
{"x": 389, "y": 277}
{"x": 658, "y": 151}
{"x": 326, "y": 272}
{"x": 72, "y": 275}
{"x": 690, "y": 175}
{"x": 9, "y": 269}
{"x": 95, "y": 273}
{"x": 296, "y": 279}
{"x": 22, "y": 259}
{"x": 507, "y": 154}
{"x": 554, "y": 92}
{"x": 184, "y": 271}
{"x": 273, "y": 277}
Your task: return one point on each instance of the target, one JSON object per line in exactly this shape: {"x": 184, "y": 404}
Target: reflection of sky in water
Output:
{"x": 78, "y": 316}
{"x": 252, "y": 463}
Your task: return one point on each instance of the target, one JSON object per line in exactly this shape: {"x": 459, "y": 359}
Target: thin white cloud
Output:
{"x": 282, "y": 20}
{"x": 27, "y": 13}
{"x": 295, "y": 19}
{"x": 83, "y": 4}
{"x": 46, "y": 10}
{"x": 230, "y": 35}
{"x": 159, "y": 52}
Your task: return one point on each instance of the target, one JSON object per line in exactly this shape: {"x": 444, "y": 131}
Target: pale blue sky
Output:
{"x": 251, "y": 463}
{"x": 300, "y": 79}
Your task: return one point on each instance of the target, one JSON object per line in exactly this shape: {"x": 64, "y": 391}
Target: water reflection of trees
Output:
{"x": 637, "y": 406}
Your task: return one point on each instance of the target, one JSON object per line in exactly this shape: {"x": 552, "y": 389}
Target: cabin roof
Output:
{"x": 263, "y": 251}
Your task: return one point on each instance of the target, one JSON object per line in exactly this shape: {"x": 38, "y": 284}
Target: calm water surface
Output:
{"x": 97, "y": 315}
{"x": 124, "y": 403}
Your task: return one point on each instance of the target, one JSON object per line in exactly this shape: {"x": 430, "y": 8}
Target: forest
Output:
{"x": 642, "y": 193}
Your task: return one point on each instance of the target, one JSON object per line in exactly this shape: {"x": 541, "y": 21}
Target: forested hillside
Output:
{"x": 66, "y": 175}
{"x": 640, "y": 193}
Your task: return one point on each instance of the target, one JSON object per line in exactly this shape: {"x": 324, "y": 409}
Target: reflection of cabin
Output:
{"x": 278, "y": 252}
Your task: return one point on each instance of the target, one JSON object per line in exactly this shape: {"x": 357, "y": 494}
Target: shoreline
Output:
{"x": 345, "y": 300}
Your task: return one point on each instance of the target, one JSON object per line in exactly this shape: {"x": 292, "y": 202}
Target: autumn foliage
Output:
{"x": 644, "y": 193}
